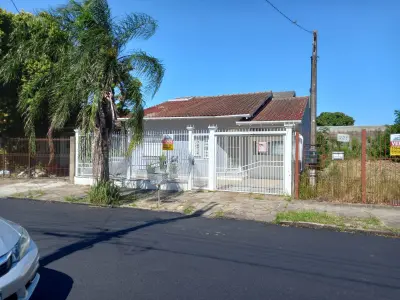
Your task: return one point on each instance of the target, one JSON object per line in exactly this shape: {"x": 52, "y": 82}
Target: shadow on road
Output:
{"x": 53, "y": 285}
{"x": 108, "y": 235}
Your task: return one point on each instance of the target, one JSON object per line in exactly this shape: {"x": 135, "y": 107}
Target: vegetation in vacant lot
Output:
{"x": 341, "y": 180}
{"x": 104, "y": 193}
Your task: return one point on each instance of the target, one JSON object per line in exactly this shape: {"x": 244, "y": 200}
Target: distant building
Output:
{"x": 350, "y": 129}
{"x": 353, "y": 131}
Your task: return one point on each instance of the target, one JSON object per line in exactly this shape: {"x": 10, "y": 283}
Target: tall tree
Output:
{"x": 397, "y": 117}
{"x": 91, "y": 70}
{"x": 334, "y": 119}
{"x": 10, "y": 119}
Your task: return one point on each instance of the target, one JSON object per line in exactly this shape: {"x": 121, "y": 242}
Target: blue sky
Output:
{"x": 213, "y": 47}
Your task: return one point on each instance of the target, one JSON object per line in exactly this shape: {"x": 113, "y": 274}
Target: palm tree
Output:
{"x": 91, "y": 70}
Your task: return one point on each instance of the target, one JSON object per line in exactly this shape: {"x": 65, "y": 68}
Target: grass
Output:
{"x": 311, "y": 216}
{"x": 259, "y": 197}
{"x": 188, "y": 210}
{"x": 74, "y": 199}
{"x": 32, "y": 194}
{"x": 219, "y": 214}
{"x": 288, "y": 198}
{"x": 104, "y": 193}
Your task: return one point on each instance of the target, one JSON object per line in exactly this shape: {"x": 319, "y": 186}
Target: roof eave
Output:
{"x": 194, "y": 117}
{"x": 239, "y": 123}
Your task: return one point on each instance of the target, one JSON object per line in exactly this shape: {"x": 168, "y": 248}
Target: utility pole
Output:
{"x": 313, "y": 106}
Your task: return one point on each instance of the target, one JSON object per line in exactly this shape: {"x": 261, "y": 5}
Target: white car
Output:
{"x": 19, "y": 262}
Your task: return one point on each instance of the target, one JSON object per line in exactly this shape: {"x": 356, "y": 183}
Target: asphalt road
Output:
{"x": 101, "y": 253}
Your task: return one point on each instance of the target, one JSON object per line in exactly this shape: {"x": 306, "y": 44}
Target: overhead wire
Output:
{"x": 12, "y": 1}
{"x": 289, "y": 19}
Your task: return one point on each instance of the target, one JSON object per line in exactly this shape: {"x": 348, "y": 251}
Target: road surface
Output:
{"x": 102, "y": 253}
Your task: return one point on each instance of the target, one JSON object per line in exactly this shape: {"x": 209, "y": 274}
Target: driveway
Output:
{"x": 101, "y": 253}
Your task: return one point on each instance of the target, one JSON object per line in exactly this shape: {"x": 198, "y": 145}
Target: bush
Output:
{"x": 105, "y": 193}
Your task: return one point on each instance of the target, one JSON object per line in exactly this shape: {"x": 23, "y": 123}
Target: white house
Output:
{"x": 238, "y": 142}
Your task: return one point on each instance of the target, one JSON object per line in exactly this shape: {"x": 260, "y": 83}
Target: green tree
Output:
{"x": 10, "y": 119}
{"x": 334, "y": 119}
{"x": 23, "y": 80}
{"x": 397, "y": 117}
{"x": 90, "y": 71}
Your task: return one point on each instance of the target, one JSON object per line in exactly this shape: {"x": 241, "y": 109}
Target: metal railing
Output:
{"x": 19, "y": 158}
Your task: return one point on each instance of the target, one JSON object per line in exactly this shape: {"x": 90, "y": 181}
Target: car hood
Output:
{"x": 9, "y": 235}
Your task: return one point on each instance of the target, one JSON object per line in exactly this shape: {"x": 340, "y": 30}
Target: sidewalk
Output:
{"x": 261, "y": 208}
{"x": 247, "y": 206}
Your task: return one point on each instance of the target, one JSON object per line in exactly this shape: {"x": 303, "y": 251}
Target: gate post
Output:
{"x": 72, "y": 161}
{"x": 191, "y": 161}
{"x": 211, "y": 157}
{"x": 76, "y": 152}
{"x": 128, "y": 139}
{"x": 288, "y": 159}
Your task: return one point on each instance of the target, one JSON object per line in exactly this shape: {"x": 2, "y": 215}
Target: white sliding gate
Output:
{"x": 250, "y": 161}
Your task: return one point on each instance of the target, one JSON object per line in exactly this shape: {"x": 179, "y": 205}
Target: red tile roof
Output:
{"x": 224, "y": 105}
{"x": 261, "y": 106}
{"x": 283, "y": 109}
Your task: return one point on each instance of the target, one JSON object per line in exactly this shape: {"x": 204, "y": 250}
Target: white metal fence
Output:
{"x": 200, "y": 154}
{"x": 255, "y": 160}
{"x": 150, "y": 155}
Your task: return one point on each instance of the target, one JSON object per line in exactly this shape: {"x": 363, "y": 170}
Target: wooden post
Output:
{"x": 364, "y": 166}
{"x": 313, "y": 107}
{"x": 296, "y": 169}
{"x": 72, "y": 159}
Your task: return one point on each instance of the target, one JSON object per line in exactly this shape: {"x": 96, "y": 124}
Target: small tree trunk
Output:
{"x": 105, "y": 119}
{"x": 101, "y": 171}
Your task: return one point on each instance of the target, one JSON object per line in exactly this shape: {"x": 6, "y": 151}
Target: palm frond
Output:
{"x": 135, "y": 25}
{"x": 148, "y": 67}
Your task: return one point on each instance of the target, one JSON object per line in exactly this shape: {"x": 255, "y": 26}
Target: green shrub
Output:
{"x": 104, "y": 193}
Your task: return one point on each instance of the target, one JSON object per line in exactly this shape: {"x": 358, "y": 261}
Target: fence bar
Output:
{"x": 296, "y": 168}
{"x": 29, "y": 160}
{"x": 288, "y": 160}
{"x": 190, "y": 149}
{"x": 211, "y": 158}
{"x": 364, "y": 166}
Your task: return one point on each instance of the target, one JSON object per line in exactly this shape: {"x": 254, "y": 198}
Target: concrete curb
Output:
{"x": 338, "y": 228}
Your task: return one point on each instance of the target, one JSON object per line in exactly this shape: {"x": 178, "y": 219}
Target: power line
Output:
{"x": 15, "y": 5}
{"x": 289, "y": 19}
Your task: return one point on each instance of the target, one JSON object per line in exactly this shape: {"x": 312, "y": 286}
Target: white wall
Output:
{"x": 199, "y": 124}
